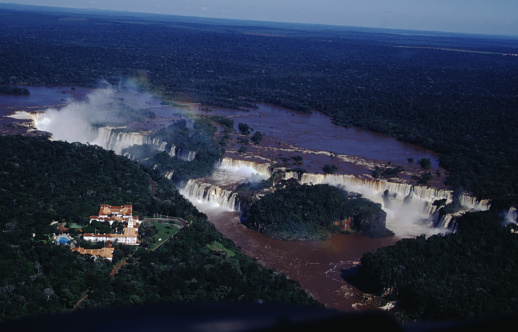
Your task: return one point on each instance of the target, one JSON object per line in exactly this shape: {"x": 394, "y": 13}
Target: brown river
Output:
{"x": 315, "y": 264}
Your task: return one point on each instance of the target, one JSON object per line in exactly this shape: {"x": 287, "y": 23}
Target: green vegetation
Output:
{"x": 156, "y": 232}
{"x": 307, "y": 212}
{"x": 423, "y": 178}
{"x": 459, "y": 104}
{"x": 470, "y": 274}
{"x": 244, "y": 128}
{"x": 13, "y": 90}
{"x": 41, "y": 181}
{"x": 425, "y": 163}
{"x": 330, "y": 169}
{"x": 298, "y": 160}
{"x": 186, "y": 270}
{"x": 199, "y": 139}
{"x": 257, "y": 137}
{"x": 225, "y": 122}
{"x": 216, "y": 246}
{"x": 386, "y": 172}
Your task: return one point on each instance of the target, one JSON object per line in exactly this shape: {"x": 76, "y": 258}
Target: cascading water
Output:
{"x": 228, "y": 173}
{"x": 113, "y": 139}
{"x": 511, "y": 216}
{"x": 410, "y": 209}
{"x": 179, "y": 153}
{"x": 212, "y": 196}
{"x": 234, "y": 170}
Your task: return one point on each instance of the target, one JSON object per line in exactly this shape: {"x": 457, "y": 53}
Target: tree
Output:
{"x": 244, "y": 128}
{"x": 330, "y": 169}
{"x": 425, "y": 163}
{"x": 257, "y": 137}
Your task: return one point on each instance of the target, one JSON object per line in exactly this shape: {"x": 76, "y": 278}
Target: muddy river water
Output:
{"x": 315, "y": 264}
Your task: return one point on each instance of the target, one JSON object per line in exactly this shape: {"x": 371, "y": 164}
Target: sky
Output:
{"x": 494, "y": 17}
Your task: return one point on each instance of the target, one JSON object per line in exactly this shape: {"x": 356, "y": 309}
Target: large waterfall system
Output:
{"x": 58, "y": 124}
{"x": 410, "y": 209}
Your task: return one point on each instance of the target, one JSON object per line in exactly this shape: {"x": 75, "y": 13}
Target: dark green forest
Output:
{"x": 42, "y": 181}
{"x": 314, "y": 212}
{"x": 448, "y": 277}
{"x": 200, "y": 139}
{"x": 460, "y": 104}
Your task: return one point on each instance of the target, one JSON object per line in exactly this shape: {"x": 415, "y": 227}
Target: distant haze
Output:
{"x": 494, "y": 17}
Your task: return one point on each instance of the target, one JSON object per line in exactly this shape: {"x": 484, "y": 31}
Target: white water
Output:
{"x": 213, "y": 197}
{"x": 511, "y": 216}
{"x": 410, "y": 209}
{"x": 232, "y": 171}
{"x": 79, "y": 122}
{"x": 185, "y": 155}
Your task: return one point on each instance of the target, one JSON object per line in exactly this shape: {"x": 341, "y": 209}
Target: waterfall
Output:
{"x": 169, "y": 174}
{"x": 511, "y": 216}
{"x": 112, "y": 138}
{"x": 409, "y": 208}
{"x": 211, "y": 195}
{"x": 228, "y": 173}
{"x": 244, "y": 167}
{"x": 174, "y": 151}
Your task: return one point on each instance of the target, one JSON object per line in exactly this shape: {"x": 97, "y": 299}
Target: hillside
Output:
{"x": 41, "y": 181}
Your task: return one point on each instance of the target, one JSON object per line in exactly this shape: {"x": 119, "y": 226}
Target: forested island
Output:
{"x": 314, "y": 212}
{"x": 460, "y": 104}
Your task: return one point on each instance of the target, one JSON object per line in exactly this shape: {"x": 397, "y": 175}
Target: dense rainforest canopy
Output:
{"x": 42, "y": 181}
{"x": 466, "y": 275}
{"x": 314, "y": 212}
{"x": 416, "y": 88}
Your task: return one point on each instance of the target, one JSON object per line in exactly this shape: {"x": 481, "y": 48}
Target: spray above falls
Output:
{"x": 102, "y": 119}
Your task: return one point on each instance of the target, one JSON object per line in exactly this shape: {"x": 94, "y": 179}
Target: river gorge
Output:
{"x": 291, "y": 140}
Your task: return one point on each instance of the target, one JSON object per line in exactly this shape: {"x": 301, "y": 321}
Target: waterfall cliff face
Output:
{"x": 114, "y": 139}
{"x": 245, "y": 167}
{"x": 211, "y": 195}
{"x": 403, "y": 202}
{"x": 174, "y": 151}
{"x": 410, "y": 209}
{"x": 228, "y": 173}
